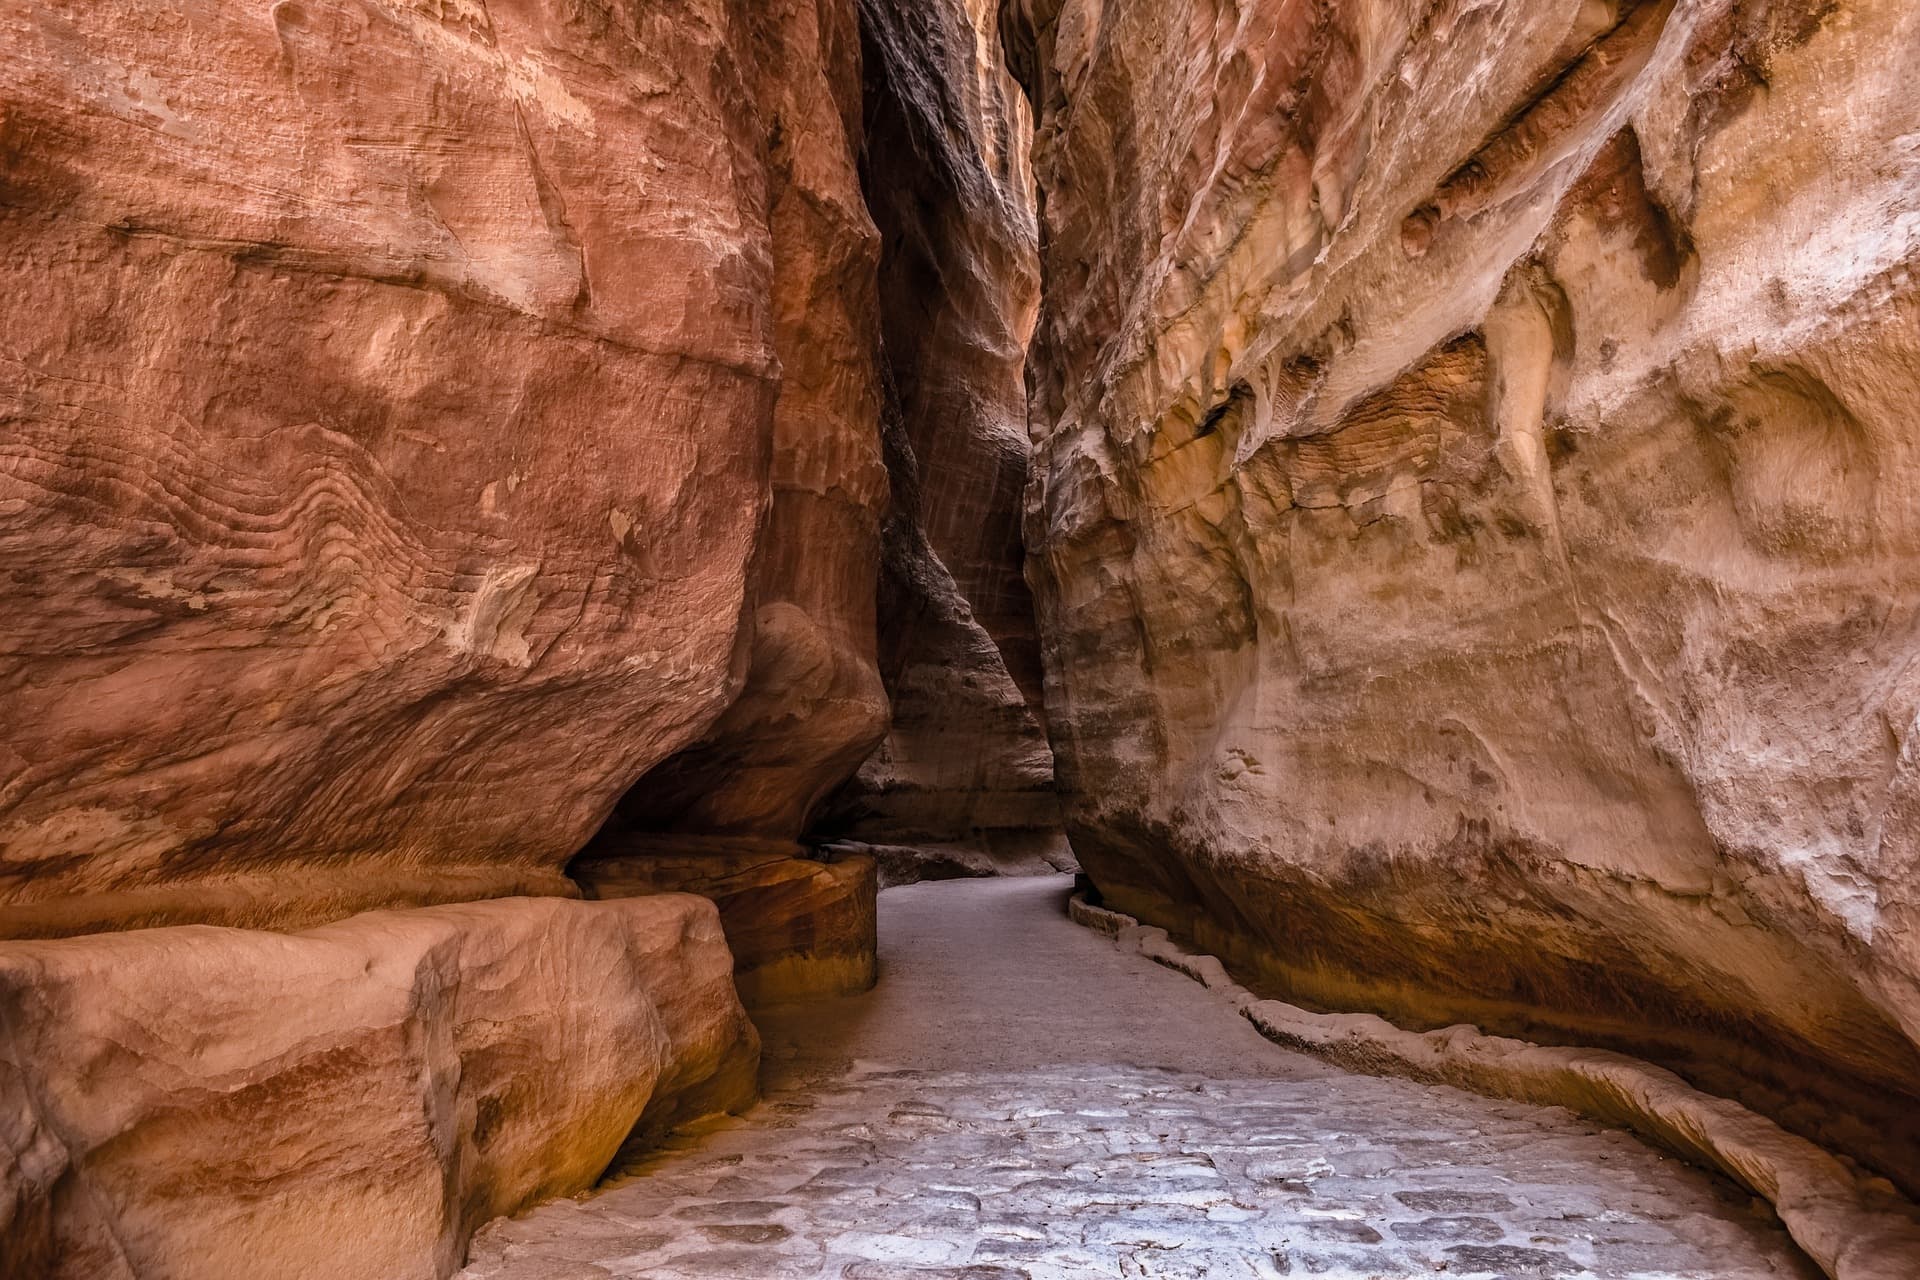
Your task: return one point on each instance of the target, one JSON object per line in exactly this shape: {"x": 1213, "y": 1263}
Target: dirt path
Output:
{"x": 1020, "y": 1099}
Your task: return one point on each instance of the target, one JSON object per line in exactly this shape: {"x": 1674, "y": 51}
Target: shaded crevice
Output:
{"x": 965, "y": 775}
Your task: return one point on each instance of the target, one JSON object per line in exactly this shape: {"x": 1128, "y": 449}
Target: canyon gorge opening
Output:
{"x": 581, "y": 574}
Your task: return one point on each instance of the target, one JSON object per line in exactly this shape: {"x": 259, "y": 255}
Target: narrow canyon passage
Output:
{"x": 1018, "y": 1098}
{"x": 529, "y": 527}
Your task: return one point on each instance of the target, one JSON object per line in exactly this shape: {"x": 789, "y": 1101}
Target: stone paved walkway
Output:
{"x": 1018, "y": 1099}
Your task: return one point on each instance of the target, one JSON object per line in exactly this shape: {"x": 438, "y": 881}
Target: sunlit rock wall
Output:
{"x": 1474, "y": 516}
{"x": 813, "y": 705}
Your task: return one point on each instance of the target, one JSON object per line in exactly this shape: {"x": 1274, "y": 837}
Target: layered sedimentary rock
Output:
{"x": 394, "y": 395}
{"x": 1472, "y": 514}
{"x": 796, "y": 926}
{"x": 964, "y": 776}
{"x": 813, "y": 705}
{"x": 419, "y": 421}
{"x": 350, "y": 1101}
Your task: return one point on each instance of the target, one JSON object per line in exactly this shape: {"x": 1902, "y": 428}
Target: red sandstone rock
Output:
{"x": 813, "y": 705}
{"x": 1470, "y": 523}
{"x": 418, "y": 422}
{"x": 796, "y": 926}
{"x": 393, "y": 398}
{"x": 350, "y": 1101}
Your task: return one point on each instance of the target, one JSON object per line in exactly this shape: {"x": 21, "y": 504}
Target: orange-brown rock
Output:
{"x": 813, "y": 705}
{"x": 796, "y": 926}
{"x": 1472, "y": 514}
{"x": 417, "y": 422}
{"x": 965, "y": 772}
{"x": 351, "y": 1101}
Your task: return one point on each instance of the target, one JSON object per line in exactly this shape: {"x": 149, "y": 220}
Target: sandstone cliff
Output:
{"x": 1473, "y": 513}
{"x": 813, "y": 706}
{"x": 1469, "y": 521}
{"x": 963, "y": 782}
{"x": 420, "y": 420}
{"x": 420, "y": 417}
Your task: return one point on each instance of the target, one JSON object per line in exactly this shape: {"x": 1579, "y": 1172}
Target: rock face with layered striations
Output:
{"x": 1473, "y": 516}
{"x": 964, "y": 779}
{"x": 813, "y": 705}
{"x": 350, "y": 1101}
{"x": 796, "y": 926}
{"x": 421, "y": 420}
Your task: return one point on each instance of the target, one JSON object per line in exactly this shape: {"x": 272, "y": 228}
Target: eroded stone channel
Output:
{"x": 1018, "y": 1099}
{"x": 518, "y": 516}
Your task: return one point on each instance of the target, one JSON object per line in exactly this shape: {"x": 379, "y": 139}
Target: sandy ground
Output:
{"x": 989, "y": 975}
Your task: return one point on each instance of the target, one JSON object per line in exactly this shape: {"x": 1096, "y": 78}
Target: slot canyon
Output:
{"x": 959, "y": 639}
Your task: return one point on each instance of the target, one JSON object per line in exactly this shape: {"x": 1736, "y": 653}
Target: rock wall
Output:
{"x": 813, "y": 706}
{"x": 419, "y": 416}
{"x": 963, "y": 782}
{"x": 421, "y": 421}
{"x": 797, "y": 926}
{"x": 1473, "y": 520}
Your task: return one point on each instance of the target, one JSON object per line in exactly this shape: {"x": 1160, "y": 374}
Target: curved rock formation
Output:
{"x": 963, "y": 782}
{"x": 419, "y": 421}
{"x": 384, "y": 463}
{"x": 1471, "y": 514}
{"x": 351, "y": 1101}
{"x": 813, "y": 706}
{"x": 1470, "y": 532}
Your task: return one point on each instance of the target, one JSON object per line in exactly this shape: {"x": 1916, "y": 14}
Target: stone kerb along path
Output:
{"x": 1855, "y": 1228}
{"x": 1019, "y": 1099}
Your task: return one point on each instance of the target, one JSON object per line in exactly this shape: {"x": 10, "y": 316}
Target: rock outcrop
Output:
{"x": 420, "y": 422}
{"x": 813, "y": 706}
{"x": 350, "y": 1101}
{"x": 1472, "y": 514}
{"x": 419, "y": 417}
{"x": 796, "y": 926}
{"x": 964, "y": 778}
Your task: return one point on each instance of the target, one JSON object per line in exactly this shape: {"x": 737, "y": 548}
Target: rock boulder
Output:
{"x": 352, "y": 1101}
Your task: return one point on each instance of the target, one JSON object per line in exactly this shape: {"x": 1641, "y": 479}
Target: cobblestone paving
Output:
{"x": 1048, "y": 1169}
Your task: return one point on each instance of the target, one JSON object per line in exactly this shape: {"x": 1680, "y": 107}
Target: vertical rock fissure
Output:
{"x": 963, "y": 783}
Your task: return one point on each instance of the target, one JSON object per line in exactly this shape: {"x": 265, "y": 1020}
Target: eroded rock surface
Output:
{"x": 796, "y": 926}
{"x": 813, "y": 706}
{"x": 965, "y": 773}
{"x": 350, "y": 1101}
{"x": 418, "y": 422}
{"x": 1472, "y": 514}
{"x": 394, "y": 396}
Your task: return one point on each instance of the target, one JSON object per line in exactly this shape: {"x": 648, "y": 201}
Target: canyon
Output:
{"x": 520, "y": 518}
